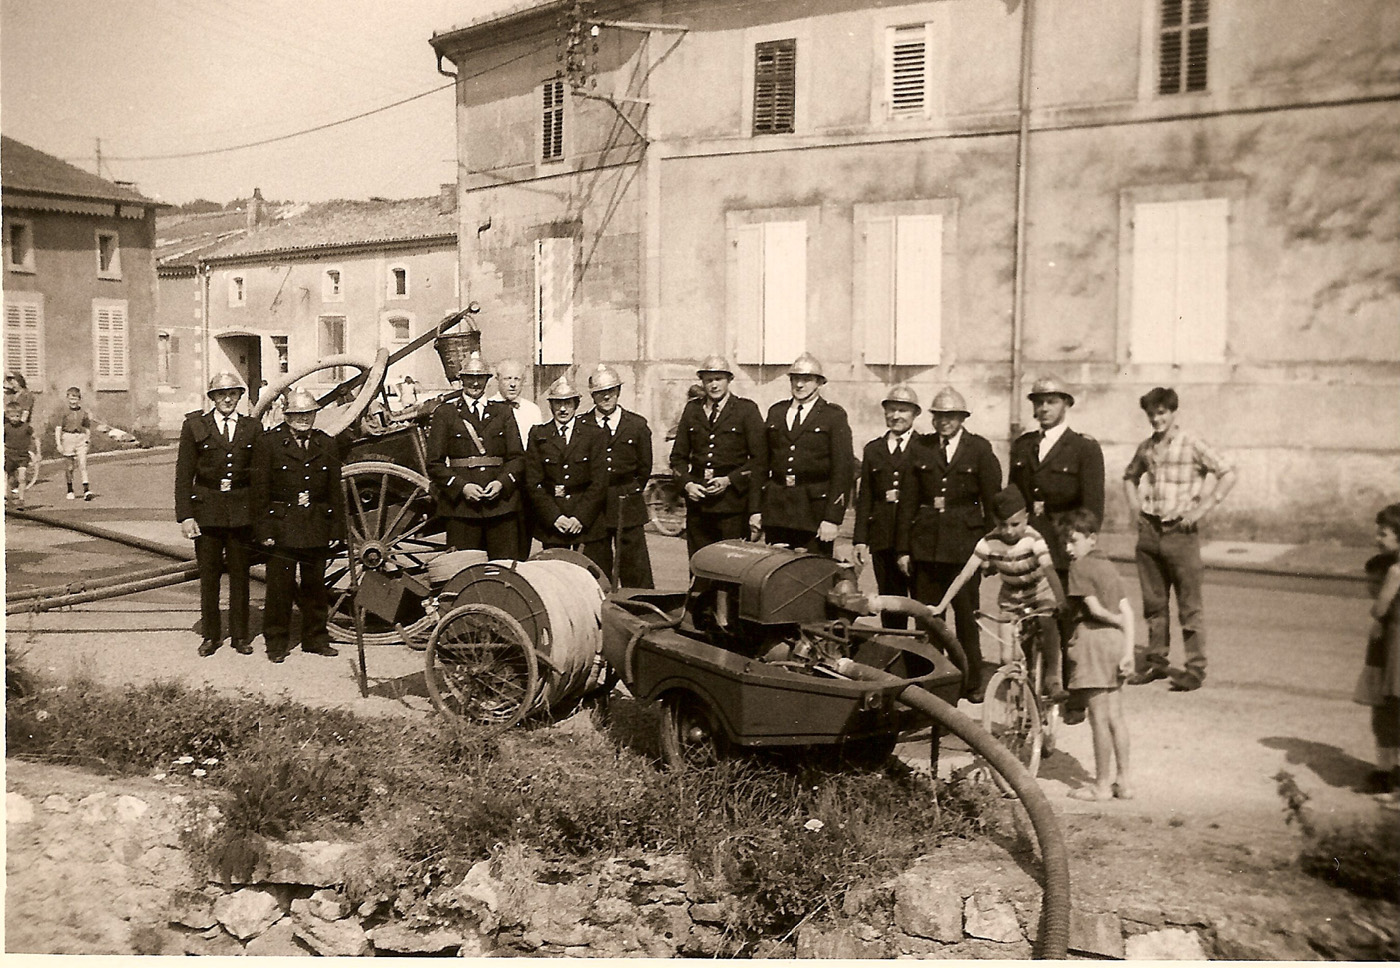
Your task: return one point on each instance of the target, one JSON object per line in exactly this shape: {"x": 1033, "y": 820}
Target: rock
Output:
{"x": 129, "y": 809}
{"x": 704, "y": 941}
{"x": 863, "y": 898}
{"x": 564, "y": 935}
{"x": 670, "y": 870}
{"x": 1185, "y": 917}
{"x": 670, "y": 922}
{"x": 834, "y": 941}
{"x": 479, "y": 894}
{"x": 278, "y": 940}
{"x": 18, "y": 809}
{"x": 370, "y": 908}
{"x": 1142, "y": 915}
{"x": 405, "y": 940}
{"x": 324, "y": 905}
{"x": 93, "y": 807}
{"x": 192, "y": 909}
{"x": 332, "y": 939}
{"x": 927, "y": 909}
{"x": 867, "y": 932}
{"x": 214, "y": 943}
{"x": 991, "y": 918}
{"x": 57, "y": 803}
{"x": 1095, "y": 934}
{"x": 709, "y": 913}
{"x": 318, "y": 863}
{"x": 247, "y": 913}
{"x": 127, "y": 850}
{"x": 1166, "y": 944}
{"x": 612, "y": 910}
{"x": 1236, "y": 941}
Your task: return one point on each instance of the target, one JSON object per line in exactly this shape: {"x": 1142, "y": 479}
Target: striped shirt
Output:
{"x": 1175, "y": 467}
{"x": 1022, "y": 567}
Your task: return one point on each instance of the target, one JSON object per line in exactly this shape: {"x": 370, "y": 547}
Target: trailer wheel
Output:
{"x": 691, "y": 738}
{"x": 665, "y": 504}
{"x": 870, "y": 752}
{"x": 481, "y": 667}
{"x": 1012, "y": 715}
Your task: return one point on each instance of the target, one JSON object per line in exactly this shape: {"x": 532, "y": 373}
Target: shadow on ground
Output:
{"x": 1332, "y": 765}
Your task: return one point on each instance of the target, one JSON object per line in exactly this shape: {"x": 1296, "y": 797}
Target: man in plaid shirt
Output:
{"x": 1169, "y": 488}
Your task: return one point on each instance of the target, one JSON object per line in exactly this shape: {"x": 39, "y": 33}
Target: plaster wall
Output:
{"x": 180, "y": 313}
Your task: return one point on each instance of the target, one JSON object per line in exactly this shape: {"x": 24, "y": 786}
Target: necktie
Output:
{"x": 228, "y": 429}
{"x": 797, "y": 419}
{"x": 714, "y": 413}
{"x": 898, "y": 446}
{"x": 943, "y": 442}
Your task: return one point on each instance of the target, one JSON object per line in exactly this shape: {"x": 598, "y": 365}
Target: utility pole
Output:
{"x": 99, "y": 156}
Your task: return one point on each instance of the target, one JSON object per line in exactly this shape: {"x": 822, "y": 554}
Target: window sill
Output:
{"x": 27, "y": 270}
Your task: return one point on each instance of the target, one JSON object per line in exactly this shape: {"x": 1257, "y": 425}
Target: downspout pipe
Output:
{"x": 1023, "y": 153}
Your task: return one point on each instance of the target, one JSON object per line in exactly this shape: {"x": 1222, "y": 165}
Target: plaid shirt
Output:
{"x": 1175, "y": 467}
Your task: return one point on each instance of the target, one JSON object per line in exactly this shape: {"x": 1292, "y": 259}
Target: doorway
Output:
{"x": 244, "y": 354}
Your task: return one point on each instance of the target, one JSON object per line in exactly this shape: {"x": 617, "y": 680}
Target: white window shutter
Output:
{"x": 906, "y": 53}
{"x": 118, "y": 343}
{"x": 1154, "y": 314}
{"x": 748, "y": 296}
{"x": 879, "y": 289}
{"x": 1202, "y": 241}
{"x": 784, "y": 291}
{"x": 554, "y": 308}
{"x": 24, "y": 339}
{"x": 918, "y": 274}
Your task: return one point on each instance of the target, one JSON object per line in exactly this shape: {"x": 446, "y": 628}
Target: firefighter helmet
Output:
{"x": 1049, "y": 386}
{"x": 715, "y": 364}
{"x": 949, "y": 400}
{"x": 475, "y": 366}
{"x": 903, "y": 393}
{"x": 224, "y": 381}
{"x": 301, "y": 401}
{"x": 807, "y": 365}
{"x": 562, "y": 389}
{"x": 604, "y": 378}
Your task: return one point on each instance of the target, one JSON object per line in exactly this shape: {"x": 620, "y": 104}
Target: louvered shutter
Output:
{"x": 918, "y": 302}
{"x": 775, "y": 86}
{"x": 1154, "y": 283}
{"x": 1183, "y": 49}
{"x": 748, "y": 295}
{"x": 1202, "y": 240}
{"x": 24, "y": 338}
{"x": 554, "y": 307}
{"x": 552, "y": 129}
{"x": 879, "y": 289}
{"x": 784, "y": 291}
{"x": 907, "y": 54}
{"x": 110, "y": 345}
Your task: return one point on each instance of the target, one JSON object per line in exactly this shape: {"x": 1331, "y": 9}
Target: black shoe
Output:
{"x": 242, "y": 647}
{"x": 208, "y": 647}
{"x": 1151, "y": 674}
{"x": 320, "y": 648}
{"x": 1377, "y": 781}
{"x": 1185, "y": 682}
{"x": 276, "y": 655}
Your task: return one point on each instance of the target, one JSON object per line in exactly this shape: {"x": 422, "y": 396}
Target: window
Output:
{"x": 279, "y": 346}
{"x": 774, "y": 86}
{"x": 19, "y": 245}
{"x": 24, "y": 335}
{"x": 331, "y": 342}
{"x": 398, "y": 282}
{"x": 1183, "y": 46}
{"x": 552, "y": 130}
{"x": 1179, "y": 281}
{"x": 332, "y": 289}
{"x": 165, "y": 355}
{"x": 109, "y": 344}
{"x": 903, "y": 294}
{"x": 769, "y": 303}
{"x": 109, "y": 256}
{"x": 907, "y": 60}
{"x": 237, "y": 296}
{"x": 400, "y": 329}
{"x": 554, "y": 300}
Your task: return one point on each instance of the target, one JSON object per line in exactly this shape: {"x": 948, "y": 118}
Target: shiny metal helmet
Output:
{"x": 562, "y": 389}
{"x": 301, "y": 401}
{"x": 807, "y": 365}
{"x": 603, "y": 378}
{"x": 949, "y": 400}
{"x": 903, "y": 393}
{"x": 714, "y": 364}
{"x": 224, "y": 381}
{"x": 475, "y": 366}
{"x": 1048, "y": 386}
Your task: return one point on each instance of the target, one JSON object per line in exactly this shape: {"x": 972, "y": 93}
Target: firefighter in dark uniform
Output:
{"x": 213, "y": 504}
{"x": 811, "y": 464}
{"x": 944, "y": 509}
{"x": 882, "y": 474}
{"x": 718, "y": 459}
{"x": 621, "y": 552}
{"x": 566, "y": 469}
{"x": 298, "y": 510}
{"x": 477, "y": 462}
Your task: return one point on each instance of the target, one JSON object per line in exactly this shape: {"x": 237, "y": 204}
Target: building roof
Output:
{"x": 341, "y": 224}
{"x": 26, "y": 169}
{"x": 182, "y": 237}
{"x": 492, "y": 11}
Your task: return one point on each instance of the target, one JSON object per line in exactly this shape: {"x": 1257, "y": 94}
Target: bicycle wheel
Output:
{"x": 1051, "y": 713}
{"x": 665, "y": 505}
{"x": 1012, "y": 715}
{"x": 481, "y": 667}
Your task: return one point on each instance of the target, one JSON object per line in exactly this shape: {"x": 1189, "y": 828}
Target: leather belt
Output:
{"x": 951, "y": 507}
{"x": 474, "y": 462}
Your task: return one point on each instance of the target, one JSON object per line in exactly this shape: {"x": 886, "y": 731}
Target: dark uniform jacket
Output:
{"x": 810, "y": 468}
{"x": 298, "y": 500}
{"x": 499, "y": 456}
{"x": 880, "y": 474}
{"x": 628, "y": 460}
{"x": 734, "y": 447}
{"x": 570, "y": 481}
{"x": 1071, "y": 476}
{"x": 945, "y": 508}
{"x": 207, "y": 459}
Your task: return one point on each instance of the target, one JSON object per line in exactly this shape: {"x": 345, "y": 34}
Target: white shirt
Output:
{"x": 609, "y": 423}
{"x": 227, "y": 424}
{"x": 805, "y": 406}
{"x": 527, "y": 415}
{"x": 1050, "y": 438}
{"x": 712, "y": 408}
{"x": 900, "y": 441}
{"x": 565, "y": 430}
{"x": 953, "y": 442}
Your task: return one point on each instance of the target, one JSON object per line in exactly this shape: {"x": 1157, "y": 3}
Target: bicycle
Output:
{"x": 1014, "y": 709}
{"x": 665, "y": 504}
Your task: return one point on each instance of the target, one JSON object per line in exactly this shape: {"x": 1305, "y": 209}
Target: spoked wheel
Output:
{"x": 691, "y": 738}
{"x": 1052, "y": 714}
{"x": 390, "y": 529}
{"x": 665, "y": 505}
{"x": 1011, "y": 714}
{"x": 481, "y": 667}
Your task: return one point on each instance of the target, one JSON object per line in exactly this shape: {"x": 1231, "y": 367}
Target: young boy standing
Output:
{"x": 19, "y": 441}
{"x": 73, "y": 435}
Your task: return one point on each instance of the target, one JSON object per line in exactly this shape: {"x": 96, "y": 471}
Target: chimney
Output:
{"x": 447, "y": 198}
{"x": 256, "y": 214}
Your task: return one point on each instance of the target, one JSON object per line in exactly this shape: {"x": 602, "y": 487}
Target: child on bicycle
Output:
{"x": 1019, "y": 555}
{"x": 1379, "y": 685}
{"x": 1100, "y": 653}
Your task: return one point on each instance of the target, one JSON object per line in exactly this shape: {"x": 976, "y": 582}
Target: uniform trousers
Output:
{"x": 498, "y": 536}
{"x": 283, "y": 565}
{"x": 703, "y": 528}
{"x": 932, "y": 580}
{"x": 1169, "y": 557}
{"x": 889, "y": 580}
{"x": 633, "y": 558}
{"x": 799, "y": 539}
{"x": 220, "y": 551}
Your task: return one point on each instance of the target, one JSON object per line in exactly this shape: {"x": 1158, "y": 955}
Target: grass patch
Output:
{"x": 1362, "y": 858}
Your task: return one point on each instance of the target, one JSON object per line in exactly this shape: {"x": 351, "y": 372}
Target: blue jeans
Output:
{"x": 1169, "y": 558}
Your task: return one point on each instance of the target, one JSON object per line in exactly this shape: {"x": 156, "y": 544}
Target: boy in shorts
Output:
{"x": 19, "y": 441}
{"x": 73, "y": 435}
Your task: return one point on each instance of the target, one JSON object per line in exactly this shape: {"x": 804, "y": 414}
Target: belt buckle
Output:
{"x": 1038, "y": 508}
{"x": 892, "y": 496}
{"x": 304, "y": 499}
{"x": 558, "y": 490}
{"x": 226, "y": 485}
{"x": 940, "y": 502}
{"x": 709, "y": 474}
{"x": 790, "y": 480}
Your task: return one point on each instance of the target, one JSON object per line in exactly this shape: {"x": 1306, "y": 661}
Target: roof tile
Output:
{"x": 26, "y": 169}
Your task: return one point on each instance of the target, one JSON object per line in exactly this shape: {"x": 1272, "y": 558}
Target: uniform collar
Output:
{"x": 1053, "y": 435}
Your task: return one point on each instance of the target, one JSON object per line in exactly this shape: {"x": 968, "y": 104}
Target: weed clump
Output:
{"x": 1362, "y": 858}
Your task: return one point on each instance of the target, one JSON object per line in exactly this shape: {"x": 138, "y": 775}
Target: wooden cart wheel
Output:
{"x": 390, "y": 529}
{"x": 691, "y": 738}
{"x": 481, "y": 666}
{"x": 1011, "y": 714}
{"x": 665, "y": 504}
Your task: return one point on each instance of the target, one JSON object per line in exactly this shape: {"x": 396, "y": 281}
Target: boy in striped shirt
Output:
{"x": 1019, "y": 555}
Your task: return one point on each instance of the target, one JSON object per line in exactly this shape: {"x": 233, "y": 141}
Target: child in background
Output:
{"x": 1379, "y": 685}
{"x": 19, "y": 441}
{"x": 73, "y": 434}
{"x": 1100, "y": 653}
